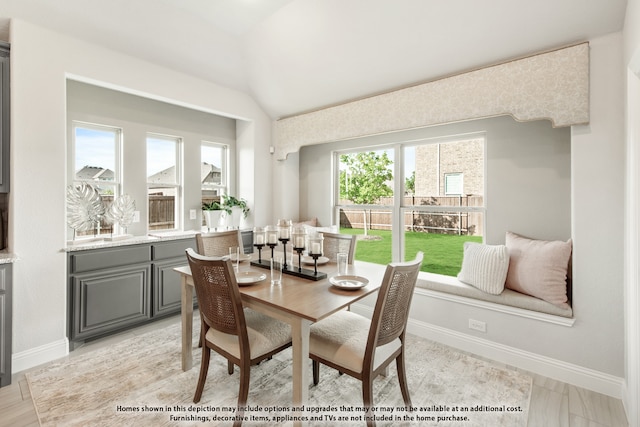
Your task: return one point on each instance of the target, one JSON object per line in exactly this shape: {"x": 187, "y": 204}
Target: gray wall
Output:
{"x": 528, "y": 175}
{"x": 137, "y": 116}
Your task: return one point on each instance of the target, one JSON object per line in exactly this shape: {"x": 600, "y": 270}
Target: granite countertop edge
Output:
{"x": 133, "y": 240}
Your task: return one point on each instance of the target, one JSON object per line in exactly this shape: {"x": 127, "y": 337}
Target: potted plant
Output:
{"x": 235, "y": 208}
{"x": 212, "y": 212}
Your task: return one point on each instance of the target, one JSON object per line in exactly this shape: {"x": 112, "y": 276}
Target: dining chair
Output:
{"x": 218, "y": 243}
{"x": 243, "y": 336}
{"x": 363, "y": 348}
{"x": 335, "y": 243}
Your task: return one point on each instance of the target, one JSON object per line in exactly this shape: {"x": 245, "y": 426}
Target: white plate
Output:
{"x": 309, "y": 260}
{"x": 349, "y": 282}
{"x": 243, "y": 257}
{"x": 248, "y": 277}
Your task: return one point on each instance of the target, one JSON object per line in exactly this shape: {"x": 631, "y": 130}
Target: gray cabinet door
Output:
{"x": 107, "y": 300}
{"x": 166, "y": 287}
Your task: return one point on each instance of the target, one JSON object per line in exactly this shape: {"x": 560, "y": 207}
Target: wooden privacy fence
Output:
{"x": 463, "y": 223}
{"x": 161, "y": 212}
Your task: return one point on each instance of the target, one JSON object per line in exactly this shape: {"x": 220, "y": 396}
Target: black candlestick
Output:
{"x": 284, "y": 249}
{"x": 315, "y": 262}
{"x": 272, "y": 245}
{"x": 299, "y": 251}
{"x": 259, "y": 246}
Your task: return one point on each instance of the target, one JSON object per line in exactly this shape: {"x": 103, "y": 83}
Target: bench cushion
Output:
{"x": 508, "y": 297}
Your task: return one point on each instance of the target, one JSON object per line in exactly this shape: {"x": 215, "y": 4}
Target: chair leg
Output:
{"x": 402, "y": 377}
{"x": 230, "y": 367}
{"x": 367, "y": 398}
{"x": 204, "y": 368}
{"x": 316, "y": 372}
{"x": 245, "y": 373}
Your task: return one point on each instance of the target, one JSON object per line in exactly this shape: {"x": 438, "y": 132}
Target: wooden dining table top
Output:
{"x": 309, "y": 299}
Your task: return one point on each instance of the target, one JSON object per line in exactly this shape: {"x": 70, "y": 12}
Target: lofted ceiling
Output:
{"x": 294, "y": 56}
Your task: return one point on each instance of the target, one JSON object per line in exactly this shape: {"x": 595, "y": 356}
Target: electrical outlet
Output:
{"x": 477, "y": 325}
{"x": 192, "y": 214}
{"x": 136, "y": 216}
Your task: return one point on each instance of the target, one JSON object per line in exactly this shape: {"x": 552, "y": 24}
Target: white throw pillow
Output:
{"x": 485, "y": 267}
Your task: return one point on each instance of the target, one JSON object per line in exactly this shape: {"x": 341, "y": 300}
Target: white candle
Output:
{"x": 315, "y": 248}
{"x": 284, "y": 233}
{"x": 273, "y": 238}
{"x": 259, "y": 239}
{"x": 300, "y": 242}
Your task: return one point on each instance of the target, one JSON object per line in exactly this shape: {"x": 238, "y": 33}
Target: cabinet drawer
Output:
{"x": 106, "y": 258}
{"x": 173, "y": 249}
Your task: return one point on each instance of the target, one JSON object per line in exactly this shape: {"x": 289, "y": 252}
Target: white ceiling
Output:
{"x": 294, "y": 56}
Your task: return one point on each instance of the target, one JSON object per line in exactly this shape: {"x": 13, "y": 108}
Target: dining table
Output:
{"x": 298, "y": 301}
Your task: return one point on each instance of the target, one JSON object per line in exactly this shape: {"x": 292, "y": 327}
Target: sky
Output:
{"x": 96, "y": 147}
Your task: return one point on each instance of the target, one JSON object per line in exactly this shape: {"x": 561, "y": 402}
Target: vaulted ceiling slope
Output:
{"x": 294, "y": 56}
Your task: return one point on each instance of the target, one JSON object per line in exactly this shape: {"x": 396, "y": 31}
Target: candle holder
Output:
{"x": 315, "y": 249}
{"x": 298, "y": 238}
{"x": 259, "y": 237}
{"x": 284, "y": 234}
{"x": 271, "y": 237}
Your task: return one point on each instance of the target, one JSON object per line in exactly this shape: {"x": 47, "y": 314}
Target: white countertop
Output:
{"x": 158, "y": 236}
{"x": 7, "y": 257}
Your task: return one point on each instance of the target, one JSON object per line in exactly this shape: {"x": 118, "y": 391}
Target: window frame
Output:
{"x": 223, "y": 187}
{"x": 398, "y": 208}
{"x": 116, "y": 184}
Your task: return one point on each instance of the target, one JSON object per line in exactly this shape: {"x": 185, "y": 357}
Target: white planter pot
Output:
{"x": 236, "y": 217}
{"x": 212, "y": 219}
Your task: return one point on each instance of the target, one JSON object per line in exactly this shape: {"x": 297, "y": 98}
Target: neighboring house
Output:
{"x": 94, "y": 173}
{"x": 209, "y": 174}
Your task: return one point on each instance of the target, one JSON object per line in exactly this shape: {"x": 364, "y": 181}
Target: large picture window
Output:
{"x": 430, "y": 198}
{"x": 164, "y": 178}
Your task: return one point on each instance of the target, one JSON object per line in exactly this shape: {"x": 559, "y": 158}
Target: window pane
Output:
{"x": 366, "y": 178}
{"x": 212, "y": 171}
{"x": 375, "y": 245}
{"x": 95, "y": 162}
{"x": 162, "y": 181}
{"x": 95, "y": 154}
{"x": 444, "y": 201}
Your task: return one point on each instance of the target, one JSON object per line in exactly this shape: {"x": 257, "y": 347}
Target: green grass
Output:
{"x": 442, "y": 252}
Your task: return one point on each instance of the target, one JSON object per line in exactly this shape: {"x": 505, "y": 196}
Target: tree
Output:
{"x": 365, "y": 179}
{"x": 410, "y": 184}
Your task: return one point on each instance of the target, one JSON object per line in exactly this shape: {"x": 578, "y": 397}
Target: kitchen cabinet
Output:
{"x": 116, "y": 288}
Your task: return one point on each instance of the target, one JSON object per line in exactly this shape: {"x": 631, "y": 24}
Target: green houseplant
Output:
{"x": 235, "y": 208}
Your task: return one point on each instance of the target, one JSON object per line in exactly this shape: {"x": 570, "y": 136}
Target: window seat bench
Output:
{"x": 451, "y": 285}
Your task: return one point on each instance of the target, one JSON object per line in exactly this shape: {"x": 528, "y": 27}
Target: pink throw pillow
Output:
{"x": 538, "y": 267}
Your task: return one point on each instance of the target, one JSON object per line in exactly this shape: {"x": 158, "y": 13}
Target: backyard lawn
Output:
{"x": 442, "y": 252}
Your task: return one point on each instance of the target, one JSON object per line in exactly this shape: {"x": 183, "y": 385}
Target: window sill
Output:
{"x": 450, "y": 289}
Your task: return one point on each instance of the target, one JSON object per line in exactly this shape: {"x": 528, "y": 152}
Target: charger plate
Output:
{"x": 349, "y": 282}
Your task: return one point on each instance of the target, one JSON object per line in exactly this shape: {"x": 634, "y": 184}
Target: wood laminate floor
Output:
{"x": 553, "y": 403}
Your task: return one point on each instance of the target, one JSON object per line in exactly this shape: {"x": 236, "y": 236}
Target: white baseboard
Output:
{"x": 39, "y": 355}
{"x": 552, "y": 368}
